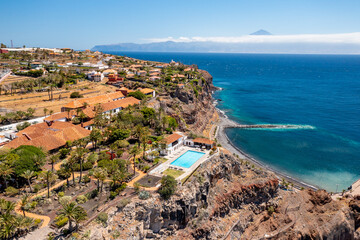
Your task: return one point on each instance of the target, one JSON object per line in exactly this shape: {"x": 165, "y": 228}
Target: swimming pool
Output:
{"x": 187, "y": 159}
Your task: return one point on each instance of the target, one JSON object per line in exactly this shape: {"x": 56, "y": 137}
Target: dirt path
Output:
{"x": 45, "y": 219}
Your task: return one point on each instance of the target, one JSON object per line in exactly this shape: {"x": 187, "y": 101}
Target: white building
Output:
{"x": 173, "y": 143}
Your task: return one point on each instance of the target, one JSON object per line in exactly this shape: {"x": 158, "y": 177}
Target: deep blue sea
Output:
{"x": 322, "y": 91}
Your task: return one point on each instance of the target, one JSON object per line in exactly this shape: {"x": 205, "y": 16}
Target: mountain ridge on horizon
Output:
{"x": 260, "y": 41}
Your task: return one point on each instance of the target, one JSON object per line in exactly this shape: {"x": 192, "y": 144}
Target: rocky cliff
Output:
{"x": 227, "y": 199}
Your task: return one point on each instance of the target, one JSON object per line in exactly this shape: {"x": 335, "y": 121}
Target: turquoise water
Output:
{"x": 187, "y": 159}
{"x": 318, "y": 93}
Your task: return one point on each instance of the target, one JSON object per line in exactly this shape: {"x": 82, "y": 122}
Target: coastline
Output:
{"x": 223, "y": 139}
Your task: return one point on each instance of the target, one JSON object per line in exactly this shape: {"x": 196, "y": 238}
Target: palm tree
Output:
{"x": 95, "y": 136}
{"x": 49, "y": 177}
{"x": 134, "y": 151}
{"x": 23, "y": 202}
{"x": 28, "y": 175}
{"x": 5, "y": 172}
{"x": 100, "y": 175}
{"x": 52, "y": 160}
{"x": 73, "y": 212}
{"x": 80, "y": 152}
{"x": 144, "y": 137}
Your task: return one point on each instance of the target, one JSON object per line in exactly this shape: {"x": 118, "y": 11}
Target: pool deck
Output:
{"x": 172, "y": 157}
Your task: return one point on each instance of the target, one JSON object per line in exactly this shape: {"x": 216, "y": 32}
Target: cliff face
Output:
{"x": 192, "y": 108}
{"x": 225, "y": 199}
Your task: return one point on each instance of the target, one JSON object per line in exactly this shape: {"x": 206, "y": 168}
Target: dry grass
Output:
{"x": 173, "y": 172}
{"x": 40, "y": 100}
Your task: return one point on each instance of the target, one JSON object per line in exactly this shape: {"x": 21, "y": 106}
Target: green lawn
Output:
{"x": 173, "y": 172}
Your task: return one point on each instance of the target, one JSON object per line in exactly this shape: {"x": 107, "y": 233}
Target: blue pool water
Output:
{"x": 187, "y": 159}
{"x": 320, "y": 91}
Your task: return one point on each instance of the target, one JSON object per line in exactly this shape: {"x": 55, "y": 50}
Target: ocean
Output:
{"x": 318, "y": 93}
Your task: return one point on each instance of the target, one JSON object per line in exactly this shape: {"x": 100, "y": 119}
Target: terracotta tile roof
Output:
{"x": 89, "y": 112}
{"x": 94, "y": 100}
{"x": 179, "y": 76}
{"x": 88, "y": 123}
{"x": 47, "y": 136}
{"x": 146, "y": 90}
{"x": 203, "y": 141}
{"x": 57, "y": 116}
{"x": 122, "y": 103}
{"x": 172, "y": 138}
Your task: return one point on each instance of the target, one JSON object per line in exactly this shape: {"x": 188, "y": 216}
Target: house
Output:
{"x": 4, "y": 51}
{"x": 148, "y": 91}
{"x": 202, "y": 142}
{"x": 98, "y": 77}
{"x": 155, "y": 71}
{"x": 109, "y": 71}
{"x": 173, "y": 142}
{"x": 92, "y": 101}
{"x": 60, "y": 117}
{"x": 113, "y": 79}
{"x": 125, "y": 91}
{"x": 48, "y": 135}
{"x": 116, "y": 106}
{"x": 36, "y": 65}
{"x": 154, "y": 78}
{"x": 141, "y": 73}
{"x": 181, "y": 85}
{"x": 88, "y": 125}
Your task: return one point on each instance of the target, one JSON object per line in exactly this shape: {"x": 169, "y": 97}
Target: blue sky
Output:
{"x": 82, "y": 24}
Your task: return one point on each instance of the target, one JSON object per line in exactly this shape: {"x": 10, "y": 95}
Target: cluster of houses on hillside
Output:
{"x": 59, "y": 128}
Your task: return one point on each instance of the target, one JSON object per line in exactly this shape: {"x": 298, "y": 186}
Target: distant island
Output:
{"x": 260, "y": 41}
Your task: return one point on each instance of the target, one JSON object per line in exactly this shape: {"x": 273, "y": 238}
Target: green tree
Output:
{"x": 5, "y": 172}
{"x": 172, "y": 123}
{"x": 100, "y": 175}
{"x": 23, "y": 202}
{"x": 73, "y": 213}
{"x": 137, "y": 94}
{"x": 95, "y": 137}
{"x": 28, "y": 175}
{"x": 134, "y": 151}
{"x": 53, "y": 159}
{"x": 119, "y": 134}
{"x": 168, "y": 186}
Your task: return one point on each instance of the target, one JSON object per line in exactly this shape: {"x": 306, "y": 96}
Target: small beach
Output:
{"x": 222, "y": 138}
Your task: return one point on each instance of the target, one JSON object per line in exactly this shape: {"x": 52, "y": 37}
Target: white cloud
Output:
{"x": 347, "y": 38}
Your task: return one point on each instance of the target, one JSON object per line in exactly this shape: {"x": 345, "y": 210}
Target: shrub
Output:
{"x": 86, "y": 179}
{"x": 61, "y": 194}
{"x": 123, "y": 203}
{"x": 64, "y": 152}
{"x": 113, "y": 195}
{"x": 33, "y": 204}
{"x": 61, "y": 222}
{"x": 37, "y": 188}
{"x": 93, "y": 194}
{"x": 65, "y": 200}
{"x": 37, "y": 221}
{"x": 271, "y": 210}
{"x": 143, "y": 195}
{"x": 81, "y": 199}
{"x": 168, "y": 187}
{"x": 11, "y": 191}
{"x": 146, "y": 168}
{"x": 75, "y": 95}
{"x": 22, "y": 126}
{"x": 102, "y": 218}
{"x": 121, "y": 188}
